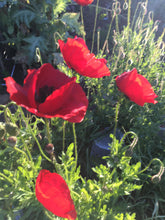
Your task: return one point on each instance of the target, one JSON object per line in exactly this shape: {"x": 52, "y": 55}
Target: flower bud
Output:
{"x": 12, "y": 129}
{"x": 49, "y": 148}
{"x": 156, "y": 179}
{"x": 12, "y": 140}
{"x": 2, "y": 130}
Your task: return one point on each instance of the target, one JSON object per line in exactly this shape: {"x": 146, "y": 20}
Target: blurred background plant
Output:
{"x": 117, "y": 188}
{"x": 26, "y": 25}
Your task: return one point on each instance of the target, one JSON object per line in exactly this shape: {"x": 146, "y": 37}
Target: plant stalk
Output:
{"x": 75, "y": 144}
{"x": 48, "y": 132}
{"x": 154, "y": 159}
{"x": 94, "y": 28}
{"x": 63, "y": 137}
{"x": 82, "y": 20}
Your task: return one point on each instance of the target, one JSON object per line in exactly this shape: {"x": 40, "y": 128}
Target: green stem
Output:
{"x": 31, "y": 131}
{"x": 117, "y": 19}
{"x": 7, "y": 178}
{"x": 29, "y": 154}
{"x": 128, "y": 21}
{"x": 82, "y": 20}
{"x": 129, "y": 14}
{"x": 135, "y": 16}
{"x": 48, "y": 132}
{"x": 30, "y": 161}
{"x": 154, "y": 159}
{"x": 5, "y": 115}
{"x": 143, "y": 15}
{"x": 77, "y": 195}
{"x": 94, "y": 28}
{"x": 27, "y": 149}
{"x": 134, "y": 142}
{"x": 39, "y": 146}
{"x": 22, "y": 152}
{"x": 48, "y": 215}
{"x": 75, "y": 144}
{"x": 116, "y": 117}
{"x": 108, "y": 33}
{"x": 63, "y": 138}
{"x": 98, "y": 41}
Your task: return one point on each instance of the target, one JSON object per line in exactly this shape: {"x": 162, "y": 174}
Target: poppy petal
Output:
{"x": 53, "y": 193}
{"x": 47, "y": 92}
{"x": 75, "y": 54}
{"x": 96, "y": 68}
{"x": 84, "y": 2}
{"x": 136, "y": 87}
{"x": 78, "y": 57}
{"x": 68, "y": 104}
{"x": 17, "y": 93}
{"x": 50, "y": 76}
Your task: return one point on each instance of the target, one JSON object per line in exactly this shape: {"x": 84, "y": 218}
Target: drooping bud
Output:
{"x": 156, "y": 179}
{"x": 49, "y": 148}
{"x": 12, "y": 129}
{"x": 12, "y": 140}
{"x": 2, "y": 130}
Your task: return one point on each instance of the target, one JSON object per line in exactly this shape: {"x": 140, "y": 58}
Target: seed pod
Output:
{"x": 2, "y": 130}
{"x": 49, "y": 148}
{"x": 12, "y": 129}
{"x": 12, "y": 140}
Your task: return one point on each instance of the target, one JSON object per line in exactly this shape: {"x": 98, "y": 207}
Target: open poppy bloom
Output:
{"x": 136, "y": 87}
{"x": 48, "y": 93}
{"x": 53, "y": 193}
{"x": 77, "y": 56}
{"x": 84, "y": 2}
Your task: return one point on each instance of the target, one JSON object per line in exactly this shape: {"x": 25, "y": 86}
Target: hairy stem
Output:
{"x": 75, "y": 143}
{"x": 94, "y": 28}
{"x": 82, "y": 19}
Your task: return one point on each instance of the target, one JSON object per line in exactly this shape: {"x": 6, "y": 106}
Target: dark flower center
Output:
{"x": 43, "y": 93}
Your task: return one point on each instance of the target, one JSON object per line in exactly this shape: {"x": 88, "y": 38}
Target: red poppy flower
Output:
{"x": 136, "y": 87}
{"x": 53, "y": 193}
{"x": 78, "y": 57}
{"x": 84, "y": 2}
{"x": 48, "y": 93}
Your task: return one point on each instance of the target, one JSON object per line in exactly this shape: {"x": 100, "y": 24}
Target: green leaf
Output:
{"x": 59, "y": 6}
{"x": 38, "y": 162}
{"x": 7, "y": 172}
{"x": 22, "y": 170}
{"x": 69, "y": 151}
{"x": 33, "y": 43}
{"x": 71, "y": 20}
{"x": 24, "y": 16}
